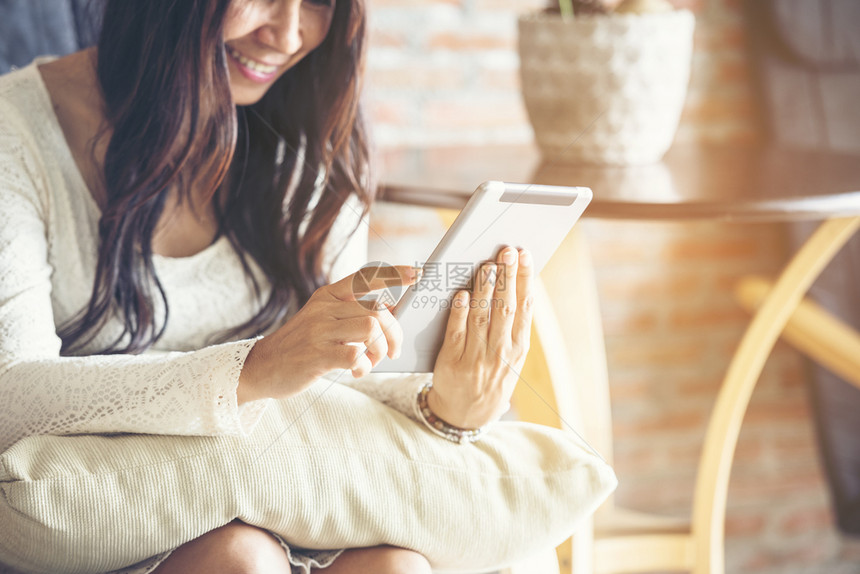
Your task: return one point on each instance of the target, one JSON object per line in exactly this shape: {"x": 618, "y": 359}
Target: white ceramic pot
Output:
{"x": 605, "y": 88}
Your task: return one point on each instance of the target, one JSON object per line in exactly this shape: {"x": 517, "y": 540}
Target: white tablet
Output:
{"x": 533, "y": 217}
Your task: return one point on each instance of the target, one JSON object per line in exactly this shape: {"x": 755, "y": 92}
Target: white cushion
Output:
{"x": 329, "y": 468}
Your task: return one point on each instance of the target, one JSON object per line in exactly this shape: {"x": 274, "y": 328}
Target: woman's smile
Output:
{"x": 252, "y": 69}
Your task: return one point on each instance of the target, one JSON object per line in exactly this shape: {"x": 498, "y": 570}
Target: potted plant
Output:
{"x": 605, "y": 83}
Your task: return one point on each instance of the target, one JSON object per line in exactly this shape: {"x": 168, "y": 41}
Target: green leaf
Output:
{"x": 566, "y": 8}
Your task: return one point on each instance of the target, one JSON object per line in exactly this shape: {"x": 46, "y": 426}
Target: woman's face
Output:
{"x": 265, "y": 38}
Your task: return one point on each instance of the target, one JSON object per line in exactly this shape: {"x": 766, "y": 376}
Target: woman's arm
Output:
{"x": 347, "y": 250}
{"x": 44, "y": 393}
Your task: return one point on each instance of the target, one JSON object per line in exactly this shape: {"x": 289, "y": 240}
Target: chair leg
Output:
{"x": 812, "y": 330}
{"x": 582, "y": 555}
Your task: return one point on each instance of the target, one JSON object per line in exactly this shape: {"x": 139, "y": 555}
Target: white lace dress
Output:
{"x": 48, "y": 250}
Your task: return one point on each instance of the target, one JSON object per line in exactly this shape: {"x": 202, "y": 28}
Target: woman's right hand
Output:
{"x": 329, "y": 332}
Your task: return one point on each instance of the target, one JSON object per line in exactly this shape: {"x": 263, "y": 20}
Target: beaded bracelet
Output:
{"x": 440, "y": 427}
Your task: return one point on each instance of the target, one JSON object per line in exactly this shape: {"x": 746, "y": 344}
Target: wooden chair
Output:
{"x": 575, "y": 392}
{"x": 811, "y": 330}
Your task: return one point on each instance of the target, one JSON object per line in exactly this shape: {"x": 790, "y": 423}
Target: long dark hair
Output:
{"x": 163, "y": 74}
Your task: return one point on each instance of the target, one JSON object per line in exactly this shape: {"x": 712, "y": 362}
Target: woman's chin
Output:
{"x": 243, "y": 96}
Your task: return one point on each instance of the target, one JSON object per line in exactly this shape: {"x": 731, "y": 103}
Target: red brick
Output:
{"x": 412, "y": 78}
{"x": 726, "y": 132}
{"x": 622, "y": 251}
{"x": 508, "y": 80}
{"x": 464, "y": 42}
{"x": 628, "y": 323}
{"x": 378, "y": 4}
{"x": 851, "y": 551}
{"x": 728, "y": 279}
{"x": 809, "y": 553}
{"x": 744, "y": 525}
{"x": 388, "y": 112}
{"x": 520, "y": 6}
{"x": 722, "y": 109}
{"x": 692, "y": 250}
{"x": 665, "y": 496}
{"x": 698, "y": 387}
{"x": 632, "y": 391}
{"x": 725, "y": 39}
{"x": 671, "y": 422}
{"x": 769, "y": 414}
{"x": 687, "y": 455}
{"x": 695, "y": 6}
{"x": 387, "y": 39}
{"x": 641, "y": 285}
{"x": 786, "y": 484}
{"x": 806, "y": 520}
{"x": 706, "y": 317}
{"x": 733, "y": 6}
{"x": 478, "y": 114}
{"x": 732, "y": 72}
{"x": 657, "y": 355}
{"x": 748, "y": 451}
{"x": 636, "y": 462}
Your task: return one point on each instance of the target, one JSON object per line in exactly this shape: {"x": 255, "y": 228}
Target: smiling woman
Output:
{"x": 265, "y": 39}
{"x": 179, "y": 237}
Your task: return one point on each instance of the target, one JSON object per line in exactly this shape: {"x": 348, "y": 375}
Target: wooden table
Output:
{"x": 716, "y": 183}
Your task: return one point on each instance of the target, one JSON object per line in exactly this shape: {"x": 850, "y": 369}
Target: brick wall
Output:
{"x": 671, "y": 326}
{"x": 445, "y": 72}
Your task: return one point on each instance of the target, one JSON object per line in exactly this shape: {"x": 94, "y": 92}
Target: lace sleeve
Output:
{"x": 44, "y": 393}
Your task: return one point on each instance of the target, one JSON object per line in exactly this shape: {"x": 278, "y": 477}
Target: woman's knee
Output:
{"x": 402, "y": 561}
{"x": 379, "y": 560}
{"x": 236, "y": 548}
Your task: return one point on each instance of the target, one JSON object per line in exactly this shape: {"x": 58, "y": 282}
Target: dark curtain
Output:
{"x": 31, "y": 28}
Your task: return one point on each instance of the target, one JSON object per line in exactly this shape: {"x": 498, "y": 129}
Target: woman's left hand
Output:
{"x": 486, "y": 343}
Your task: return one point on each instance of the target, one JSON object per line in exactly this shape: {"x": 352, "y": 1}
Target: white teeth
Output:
{"x": 251, "y": 64}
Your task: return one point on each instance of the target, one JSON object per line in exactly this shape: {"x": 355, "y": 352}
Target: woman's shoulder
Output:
{"x": 19, "y": 109}
{"x": 22, "y": 93}
{"x": 24, "y": 124}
